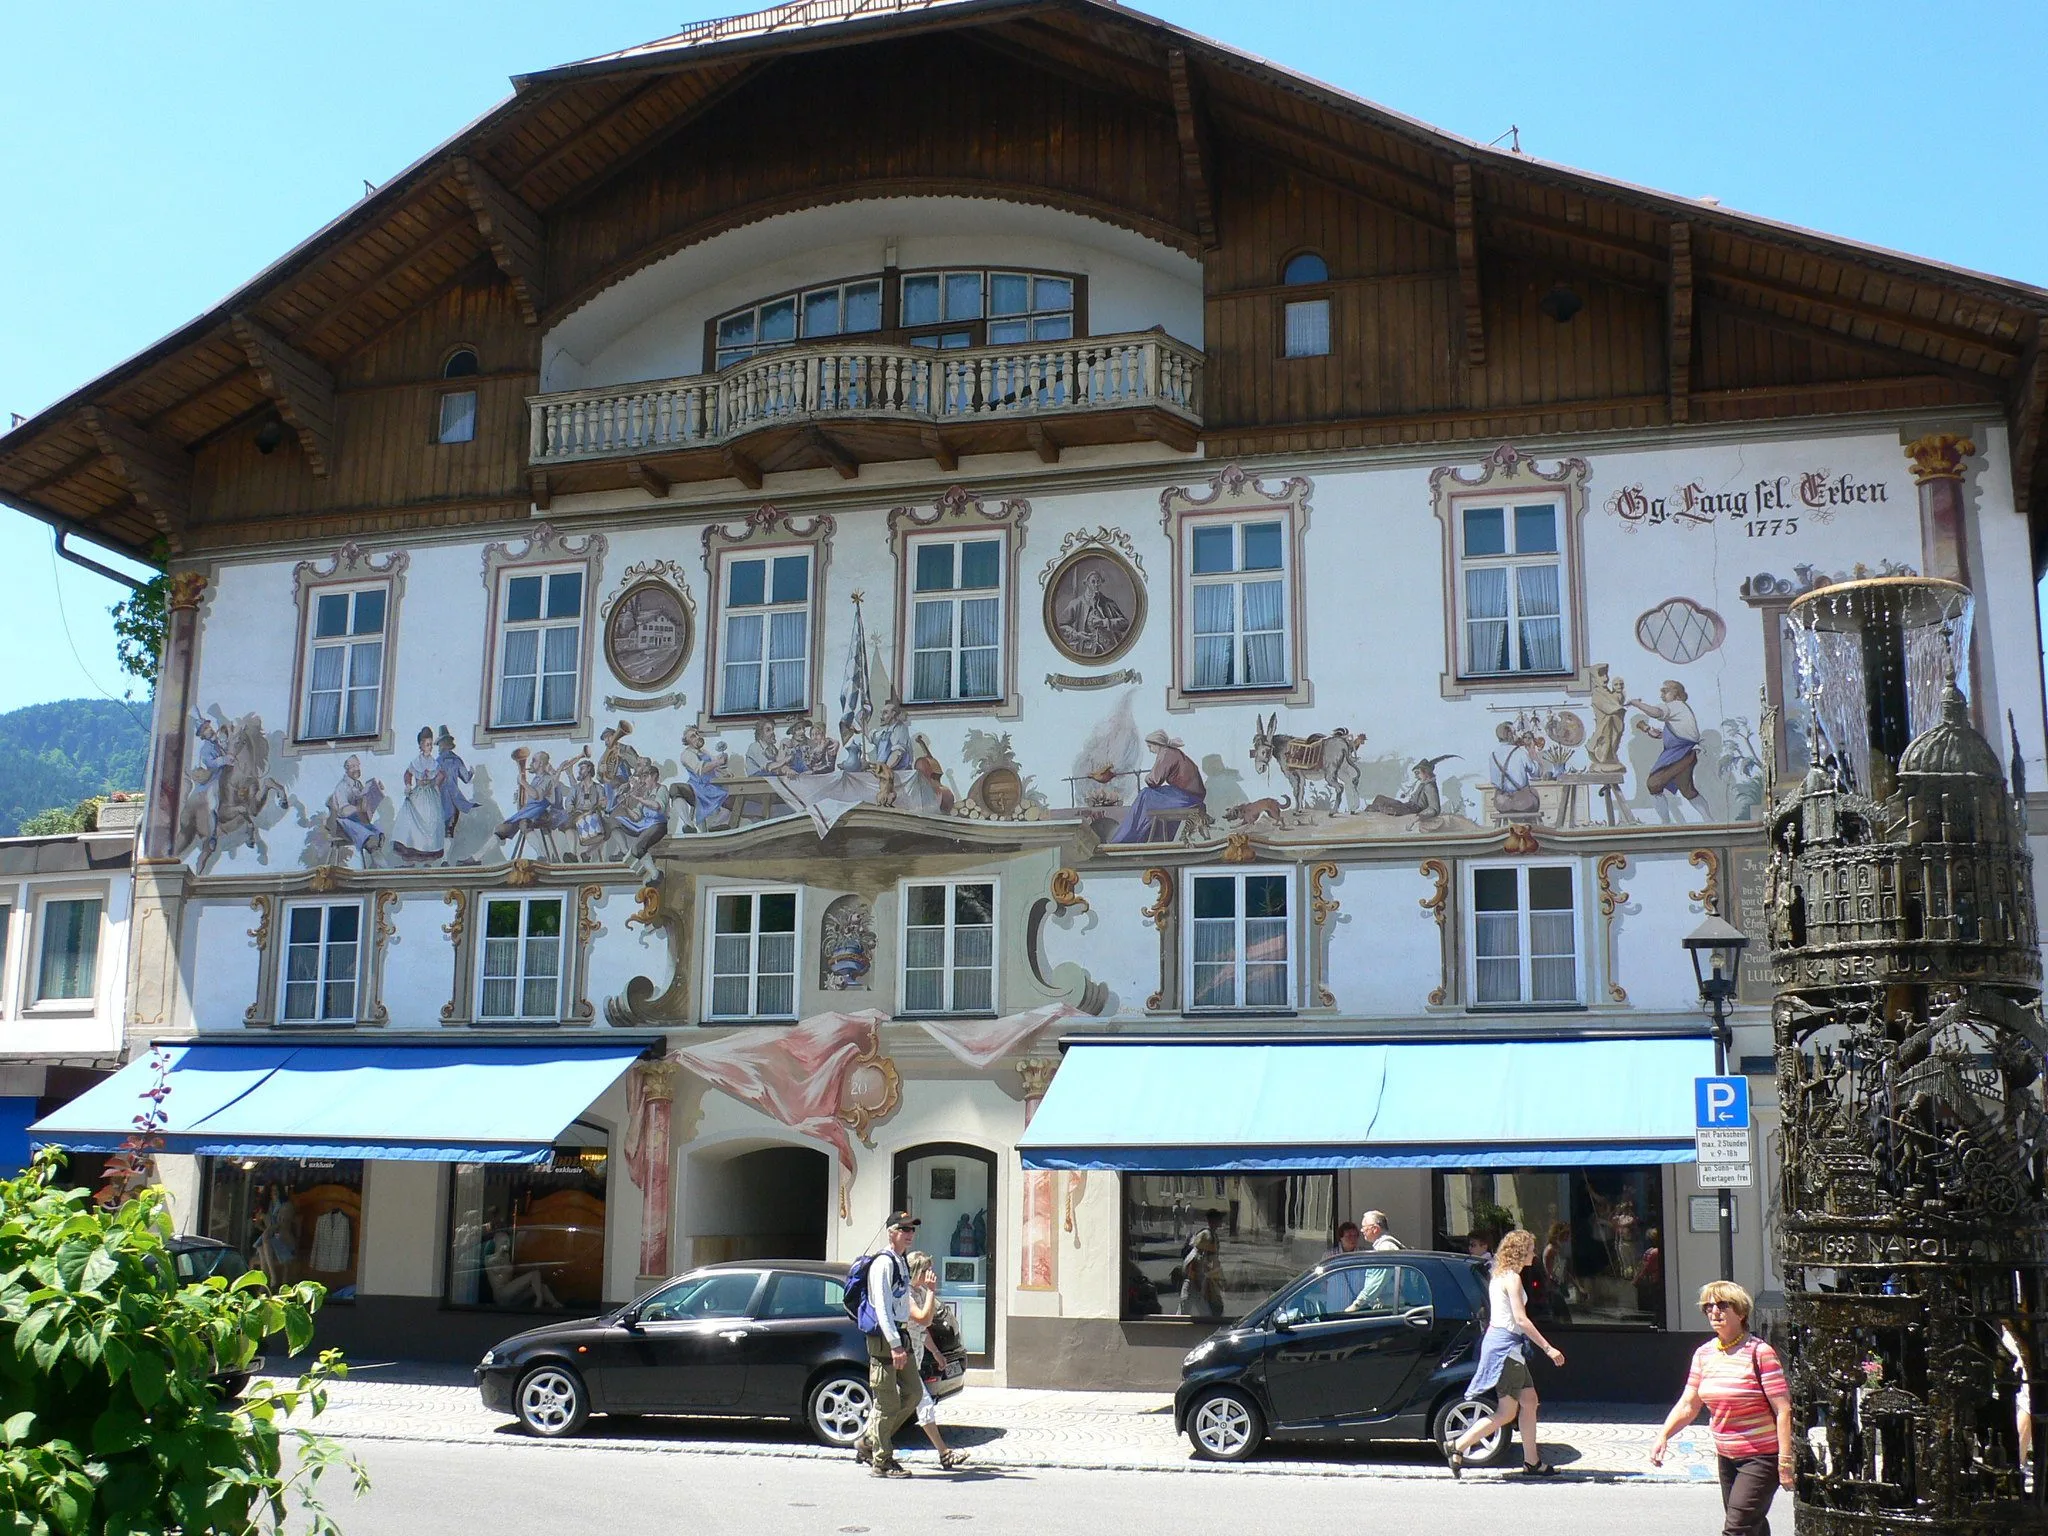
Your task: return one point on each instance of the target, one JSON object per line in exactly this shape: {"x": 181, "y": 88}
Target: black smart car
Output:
{"x": 1365, "y": 1346}
{"x": 756, "y": 1339}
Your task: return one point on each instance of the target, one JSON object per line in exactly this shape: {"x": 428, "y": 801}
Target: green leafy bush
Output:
{"x": 110, "y": 1421}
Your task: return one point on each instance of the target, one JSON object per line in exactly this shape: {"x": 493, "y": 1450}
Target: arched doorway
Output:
{"x": 951, "y": 1188}
{"x": 756, "y": 1201}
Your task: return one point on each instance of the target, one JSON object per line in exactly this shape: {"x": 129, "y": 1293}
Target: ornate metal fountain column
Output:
{"x": 1914, "y": 1229}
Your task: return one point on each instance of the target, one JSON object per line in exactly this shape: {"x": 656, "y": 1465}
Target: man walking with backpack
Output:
{"x": 893, "y": 1380}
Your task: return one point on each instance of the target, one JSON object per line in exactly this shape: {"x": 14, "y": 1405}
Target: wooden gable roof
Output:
{"x": 1755, "y": 317}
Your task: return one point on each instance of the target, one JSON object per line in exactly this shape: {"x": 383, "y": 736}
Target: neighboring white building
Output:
{"x": 1298, "y": 647}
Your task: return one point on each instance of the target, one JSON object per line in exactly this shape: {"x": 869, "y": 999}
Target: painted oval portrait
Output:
{"x": 647, "y": 636}
{"x": 1094, "y": 607}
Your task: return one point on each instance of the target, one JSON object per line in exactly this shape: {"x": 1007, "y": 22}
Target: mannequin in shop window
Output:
{"x": 279, "y": 1245}
{"x": 511, "y": 1286}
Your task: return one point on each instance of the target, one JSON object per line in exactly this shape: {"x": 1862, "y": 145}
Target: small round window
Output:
{"x": 1307, "y": 267}
{"x": 462, "y": 362}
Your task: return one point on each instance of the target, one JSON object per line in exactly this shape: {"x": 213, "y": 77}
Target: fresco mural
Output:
{"x": 231, "y": 796}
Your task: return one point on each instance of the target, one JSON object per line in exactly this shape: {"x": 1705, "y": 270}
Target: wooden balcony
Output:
{"x": 844, "y": 403}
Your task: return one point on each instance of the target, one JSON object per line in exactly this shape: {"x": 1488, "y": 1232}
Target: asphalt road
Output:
{"x": 526, "y": 1489}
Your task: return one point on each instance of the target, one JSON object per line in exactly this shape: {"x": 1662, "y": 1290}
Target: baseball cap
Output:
{"x": 903, "y": 1221}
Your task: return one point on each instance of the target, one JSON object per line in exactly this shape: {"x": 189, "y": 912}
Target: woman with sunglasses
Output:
{"x": 1737, "y": 1377}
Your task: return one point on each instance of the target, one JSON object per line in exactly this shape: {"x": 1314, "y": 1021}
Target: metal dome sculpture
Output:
{"x": 1913, "y": 1214}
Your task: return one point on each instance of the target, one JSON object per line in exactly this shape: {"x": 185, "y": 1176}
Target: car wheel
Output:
{"x": 231, "y": 1388}
{"x": 1459, "y": 1415}
{"x": 837, "y": 1409}
{"x": 1225, "y": 1426}
{"x": 551, "y": 1401}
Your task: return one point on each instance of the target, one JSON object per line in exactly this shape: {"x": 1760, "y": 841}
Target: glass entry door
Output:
{"x": 951, "y": 1189}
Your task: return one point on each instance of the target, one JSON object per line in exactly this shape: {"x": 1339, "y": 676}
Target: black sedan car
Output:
{"x": 756, "y": 1339}
{"x": 1365, "y": 1346}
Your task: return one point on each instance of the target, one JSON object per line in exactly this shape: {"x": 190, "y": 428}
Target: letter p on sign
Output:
{"x": 1721, "y": 1103}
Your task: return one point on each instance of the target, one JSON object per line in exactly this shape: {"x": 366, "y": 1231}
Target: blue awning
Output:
{"x": 15, "y": 1114}
{"x": 473, "y": 1102}
{"x": 1188, "y": 1106}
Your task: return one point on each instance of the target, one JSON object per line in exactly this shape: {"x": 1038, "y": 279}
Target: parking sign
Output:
{"x": 1721, "y": 1133}
{"x": 1721, "y": 1103}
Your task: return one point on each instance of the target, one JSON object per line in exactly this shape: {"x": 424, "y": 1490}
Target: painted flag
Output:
{"x": 857, "y": 697}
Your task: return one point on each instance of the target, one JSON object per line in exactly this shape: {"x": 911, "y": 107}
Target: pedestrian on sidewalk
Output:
{"x": 1503, "y": 1362}
{"x": 924, "y": 1311}
{"x": 1739, "y": 1379}
{"x": 1372, "y": 1230}
{"x": 894, "y": 1385}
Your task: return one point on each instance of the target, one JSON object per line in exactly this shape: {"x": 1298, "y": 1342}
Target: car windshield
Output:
{"x": 722, "y": 1293}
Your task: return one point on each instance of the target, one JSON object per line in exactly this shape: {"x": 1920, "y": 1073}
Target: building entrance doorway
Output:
{"x": 760, "y": 1202}
{"x": 951, "y": 1188}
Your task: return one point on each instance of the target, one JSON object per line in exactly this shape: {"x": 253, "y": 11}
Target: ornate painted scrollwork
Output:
{"x": 1321, "y": 906}
{"x": 1709, "y": 893}
{"x": 1156, "y": 914}
{"x": 1066, "y": 890}
{"x": 873, "y": 1089}
{"x": 1611, "y": 898}
{"x": 1437, "y": 905}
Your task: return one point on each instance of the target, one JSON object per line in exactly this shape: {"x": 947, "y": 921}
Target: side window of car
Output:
{"x": 805, "y": 1296}
{"x": 1351, "y": 1292}
{"x": 721, "y": 1295}
{"x": 1415, "y": 1289}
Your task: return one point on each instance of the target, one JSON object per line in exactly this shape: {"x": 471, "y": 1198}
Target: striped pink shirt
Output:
{"x": 1727, "y": 1380}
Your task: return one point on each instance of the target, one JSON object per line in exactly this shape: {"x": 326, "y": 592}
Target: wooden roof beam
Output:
{"x": 1466, "y": 236}
{"x": 1418, "y": 197}
{"x": 1931, "y": 331}
{"x": 1678, "y": 323}
{"x": 647, "y": 477}
{"x": 1803, "y": 330}
{"x": 827, "y": 448}
{"x": 300, "y": 388}
{"x": 2030, "y": 404}
{"x": 580, "y": 138}
{"x": 460, "y": 224}
{"x": 741, "y": 468}
{"x": 1196, "y": 160}
{"x": 157, "y": 471}
{"x": 512, "y": 230}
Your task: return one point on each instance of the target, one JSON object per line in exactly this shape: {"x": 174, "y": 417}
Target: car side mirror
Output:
{"x": 630, "y": 1319}
{"x": 1285, "y": 1319}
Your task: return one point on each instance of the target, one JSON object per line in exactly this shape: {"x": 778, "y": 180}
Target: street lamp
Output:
{"x": 1716, "y": 946}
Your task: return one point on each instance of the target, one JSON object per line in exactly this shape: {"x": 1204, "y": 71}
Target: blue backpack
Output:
{"x": 860, "y": 1306}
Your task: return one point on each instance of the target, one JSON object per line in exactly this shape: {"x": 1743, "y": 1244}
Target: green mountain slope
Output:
{"x": 55, "y": 755}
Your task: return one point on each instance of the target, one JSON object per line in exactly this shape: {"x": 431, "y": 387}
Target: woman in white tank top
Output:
{"x": 1502, "y": 1364}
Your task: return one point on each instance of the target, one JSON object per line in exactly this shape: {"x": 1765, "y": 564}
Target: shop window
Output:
{"x": 343, "y": 663}
{"x": 1524, "y": 935}
{"x": 1510, "y": 587}
{"x": 765, "y": 640}
{"x": 1240, "y": 937}
{"x": 952, "y": 1188}
{"x": 529, "y": 1237}
{"x": 1237, "y": 600}
{"x": 1213, "y": 1245}
{"x": 540, "y": 647}
{"x": 956, "y": 619}
{"x": 322, "y": 962}
{"x": 1599, "y": 1236}
{"x": 753, "y": 955}
{"x": 67, "y": 955}
{"x": 521, "y": 973}
{"x": 291, "y": 1218}
{"x": 949, "y": 948}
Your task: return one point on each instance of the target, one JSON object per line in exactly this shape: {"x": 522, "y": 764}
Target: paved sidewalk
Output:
{"x": 1001, "y": 1427}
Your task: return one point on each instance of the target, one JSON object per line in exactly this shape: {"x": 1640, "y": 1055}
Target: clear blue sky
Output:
{"x": 158, "y": 155}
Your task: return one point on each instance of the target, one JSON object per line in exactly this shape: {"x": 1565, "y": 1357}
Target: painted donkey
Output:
{"x": 1331, "y": 758}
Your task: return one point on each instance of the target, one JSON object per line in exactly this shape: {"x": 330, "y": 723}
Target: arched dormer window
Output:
{"x": 1305, "y": 322}
{"x": 455, "y": 410}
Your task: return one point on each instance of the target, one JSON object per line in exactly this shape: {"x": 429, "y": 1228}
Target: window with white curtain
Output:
{"x": 1238, "y": 577}
{"x": 764, "y": 658}
{"x": 344, "y": 664}
{"x": 520, "y": 978}
{"x": 956, "y": 619}
{"x": 322, "y": 962}
{"x": 1511, "y": 589}
{"x": 949, "y": 947}
{"x": 1524, "y": 936}
{"x": 1240, "y": 940}
{"x": 67, "y": 957}
{"x": 540, "y": 647}
{"x": 753, "y": 955}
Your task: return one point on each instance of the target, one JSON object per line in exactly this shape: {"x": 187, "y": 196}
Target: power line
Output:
{"x": 64, "y": 620}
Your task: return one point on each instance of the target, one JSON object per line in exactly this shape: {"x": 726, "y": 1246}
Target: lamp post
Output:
{"x": 1716, "y": 946}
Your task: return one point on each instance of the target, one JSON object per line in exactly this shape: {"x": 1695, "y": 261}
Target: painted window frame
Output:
{"x": 360, "y": 999}
{"x": 543, "y": 625}
{"x": 767, "y": 611}
{"x": 1296, "y": 966}
{"x": 544, "y": 552}
{"x": 960, "y": 516}
{"x": 1235, "y": 497}
{"x": 1507, "y": 478}
{"x": 526, "y": 901}
{"x": 39, "y": 898}
{"x": 350, "y": 569}
{"x": 955, "y": 598}
{"x": 709, "y": 930}
{"x": 764, "y": 534}
{"x": 951, "y": 968}
{"x": 1525, "y": 956}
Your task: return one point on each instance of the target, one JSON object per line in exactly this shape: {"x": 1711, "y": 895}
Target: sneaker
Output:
{"x": 1538, "y": 1469}
{"x": 890, "y": 1469}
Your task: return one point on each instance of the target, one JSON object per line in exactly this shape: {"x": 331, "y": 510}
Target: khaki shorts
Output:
{"x": 1514, "y": 1379}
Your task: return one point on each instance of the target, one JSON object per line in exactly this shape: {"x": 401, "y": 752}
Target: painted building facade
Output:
{"x": 853, "y": 633}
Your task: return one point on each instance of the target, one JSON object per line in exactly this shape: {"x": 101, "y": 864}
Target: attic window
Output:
{"x": 1305, "y": 323}
{"x": 456, "y": 408}
{"x": 462, "y": 362}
